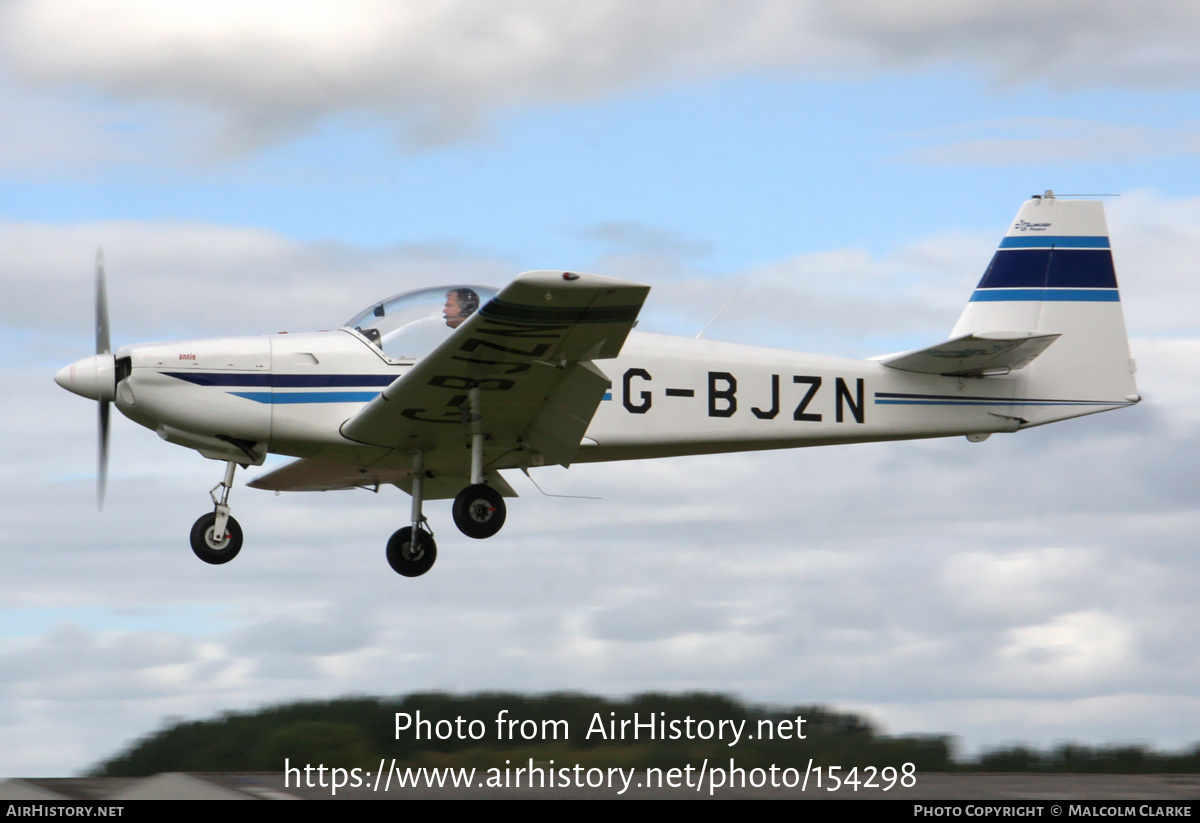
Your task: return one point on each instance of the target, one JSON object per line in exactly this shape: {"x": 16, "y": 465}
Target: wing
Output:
{"x": 518, "y": 371}
{"x": 975, "y": 355}
{"x": 311, "y": 474}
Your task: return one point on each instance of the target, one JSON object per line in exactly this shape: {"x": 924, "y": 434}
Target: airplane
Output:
{"x": 437, "y": 391}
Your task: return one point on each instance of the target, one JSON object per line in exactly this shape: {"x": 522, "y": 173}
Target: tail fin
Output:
{"x": 1054, "y": 273}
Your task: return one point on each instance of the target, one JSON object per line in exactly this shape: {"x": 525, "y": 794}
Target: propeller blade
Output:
{"x": 102, "y": 342}
{"x": 103, "y": 346}
{"x": 102, "y": 457}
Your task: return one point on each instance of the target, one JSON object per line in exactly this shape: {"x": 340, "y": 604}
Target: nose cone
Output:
{"x": 93, "y": 377}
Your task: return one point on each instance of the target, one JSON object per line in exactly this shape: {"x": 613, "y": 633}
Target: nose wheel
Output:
{"x": 213, "y": 549}
{"x": 411, "y": 550}
{"x": 411, "y": 553}
{"x": 216, "y": 537}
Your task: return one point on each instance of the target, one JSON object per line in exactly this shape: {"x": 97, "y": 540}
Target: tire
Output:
{"x": 211, "y": 550}
{"x": 406, "y": 562}
{"x": 479, "y": 511}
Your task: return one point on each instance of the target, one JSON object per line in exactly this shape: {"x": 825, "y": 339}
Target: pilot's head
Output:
{"x": 460, "y": 304}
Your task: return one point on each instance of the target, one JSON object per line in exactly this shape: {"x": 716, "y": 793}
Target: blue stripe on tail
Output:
{"x": 1050, "y": 269}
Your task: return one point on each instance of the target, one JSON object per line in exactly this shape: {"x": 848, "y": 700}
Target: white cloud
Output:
{"x": 1028, "y": 141}
{"x": 174, "y": 279}
{"x": 438, "y": 68}
{"x": 1070, "y": 650}
{"x": 1154, "y": 240}
{"x": 44, "y": 135}
{"x": 1020, "y": 584}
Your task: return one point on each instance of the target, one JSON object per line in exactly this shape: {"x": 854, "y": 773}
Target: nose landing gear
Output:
{"x": 216, "y": 537}
{"x": 411, "y": 550}
{"x": 208, "y": 547}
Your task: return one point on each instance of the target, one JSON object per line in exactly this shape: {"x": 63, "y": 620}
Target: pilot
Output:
{"x": 460, "y": 304}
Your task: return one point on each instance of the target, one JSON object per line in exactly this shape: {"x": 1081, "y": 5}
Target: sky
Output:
{"x": 843, "y": 172}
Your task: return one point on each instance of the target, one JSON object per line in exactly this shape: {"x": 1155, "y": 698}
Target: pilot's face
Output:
{"x": 453, "y": 312}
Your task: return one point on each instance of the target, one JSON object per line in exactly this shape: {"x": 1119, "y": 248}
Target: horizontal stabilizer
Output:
{"x": 975, "y": 355}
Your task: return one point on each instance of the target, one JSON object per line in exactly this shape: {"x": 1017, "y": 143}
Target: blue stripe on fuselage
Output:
{"x": 276, "y": 398}
{"x": 900, "y": 399}
{"x": 282, "y": 381}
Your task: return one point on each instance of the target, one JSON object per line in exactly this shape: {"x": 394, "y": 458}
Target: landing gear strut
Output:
{"x": 216, "y": 537}
{"x": 479, "y": 510}
{"x": 411, "y": 551}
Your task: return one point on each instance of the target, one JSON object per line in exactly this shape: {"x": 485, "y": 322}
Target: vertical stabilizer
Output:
{"x": 1054, "y": 273}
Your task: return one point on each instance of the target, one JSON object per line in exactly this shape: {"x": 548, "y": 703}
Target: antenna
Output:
{"x": 718, "y": 314}
{"x": 1050, "y": 195}
{"x": 548, "y": 494}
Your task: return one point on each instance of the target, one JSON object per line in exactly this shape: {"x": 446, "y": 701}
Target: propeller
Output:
{"x": 103, "y": 346}
{"x": 95, "y": 377}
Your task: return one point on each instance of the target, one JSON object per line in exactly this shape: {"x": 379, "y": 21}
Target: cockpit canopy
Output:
{"x": 412, "y": 324}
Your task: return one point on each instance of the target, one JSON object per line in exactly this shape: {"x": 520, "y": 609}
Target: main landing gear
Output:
{"x": 479, "y": 512}
{"x": 217, "y": 537}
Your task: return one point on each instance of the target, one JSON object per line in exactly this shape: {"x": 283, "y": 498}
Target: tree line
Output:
{"x": 485, "y": 730}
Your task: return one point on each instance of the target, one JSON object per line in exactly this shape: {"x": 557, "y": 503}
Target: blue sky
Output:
{"x": 281, "y": 166}
{"x": 755, "y": 167}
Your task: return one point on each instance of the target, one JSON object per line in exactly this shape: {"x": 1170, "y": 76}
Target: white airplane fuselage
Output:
{"x": 669, "y": 396}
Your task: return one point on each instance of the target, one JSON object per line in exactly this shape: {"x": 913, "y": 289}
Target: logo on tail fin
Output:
{"x": 1025, "y": 225}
